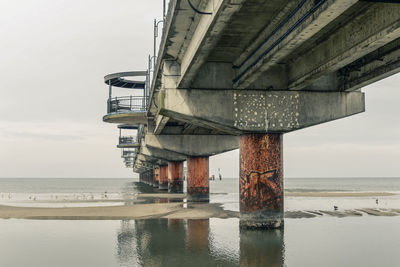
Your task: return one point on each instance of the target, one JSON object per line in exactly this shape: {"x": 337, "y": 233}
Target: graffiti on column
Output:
{"x": 260, "y": 190}
{"x": 261, "y": 174}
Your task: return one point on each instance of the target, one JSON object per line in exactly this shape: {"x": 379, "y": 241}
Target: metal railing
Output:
{"x": 128, "y": 160}
{"x": 127, "y": 103}
{"x": 128, "y": 153}
{"x": 127, "y": 140}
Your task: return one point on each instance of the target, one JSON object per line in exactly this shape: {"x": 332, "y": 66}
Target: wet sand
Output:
{"x": 165, "y": 210}
{"x": 138, "y": 211}
{"x": 164, "y": 205}
{"x": 338, "y": 194}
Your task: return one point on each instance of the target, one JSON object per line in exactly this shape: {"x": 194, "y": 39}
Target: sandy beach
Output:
{"x": 339, "y": 194}
{"x": 165, "y": 210}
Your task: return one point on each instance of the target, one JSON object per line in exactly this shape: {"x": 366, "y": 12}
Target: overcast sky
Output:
{"x": 53, "y": 56}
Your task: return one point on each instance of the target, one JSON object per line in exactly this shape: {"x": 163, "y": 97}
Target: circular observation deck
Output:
{"x": 130, "y": 109}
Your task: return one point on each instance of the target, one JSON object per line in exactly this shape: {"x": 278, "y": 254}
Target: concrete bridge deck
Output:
{"x": 240, "y": 73}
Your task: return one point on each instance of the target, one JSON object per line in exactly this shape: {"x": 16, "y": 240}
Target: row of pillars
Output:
{"x": 170, "y": 177}
{"x": 261, "y": 180}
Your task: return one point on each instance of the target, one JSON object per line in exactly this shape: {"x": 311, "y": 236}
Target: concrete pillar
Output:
{"x": 163, "y": 185}
{"x": 156, "y": 177}
{"x": 197, "y": 179}
{"x": 175, "y": 177}
{"x": 261, "y": 181}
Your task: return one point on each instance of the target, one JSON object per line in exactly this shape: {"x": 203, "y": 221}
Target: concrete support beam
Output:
{"x": 161, "y": 121}
{"x": 305, "y": 23}
{"x": 374, "y": 28}
{"x": 237, "y": 112}
{"x": 160, "y": 154}
{"x": 261, "y": 181}
{"x": 150, "y": 159}
{"x": 197, "y": 179}
{"x": 142, "y": 165}
{"x": 163, "y": 184}
{"x": 373, "y": 67}
{"x": 204, "y": 37}
{"x": 193, "y": 145}
{"x": 175, "y": 177}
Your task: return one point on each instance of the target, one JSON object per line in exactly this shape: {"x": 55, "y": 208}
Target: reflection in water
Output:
{"x": 261, "y": 248}
{"x": 177, "y": 242}
{"x": 197, "y": 235}
{"x": 126, "y": 242}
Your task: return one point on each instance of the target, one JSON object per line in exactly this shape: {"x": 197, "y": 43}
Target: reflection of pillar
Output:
{"x": 126, "y": 240}
{"x": 262, "y": 248}
{"x": 175, "y": 177}
{"x": 261, "y": 181}
{"x": 197, "y": 179}
{"x": 156, "y": 177}
{"x": 197, "y": 234}
{"x": 163, "y": 185}
{"x": 175, "y": 224}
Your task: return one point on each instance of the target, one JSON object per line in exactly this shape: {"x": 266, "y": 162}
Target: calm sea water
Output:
{"x": 227, "y": 185}
{"x": 369, "y": 241}
{"x": 321, "y": 241}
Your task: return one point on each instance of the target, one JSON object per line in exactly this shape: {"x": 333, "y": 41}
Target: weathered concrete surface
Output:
{"x": 261, "y": 181}
{"x": 193, "y": 145}
{"x": 236, "y": 112}
{"x": 276, "y": 48}
{"x": 372, "y": 29}
{"x": 163, "y": 155}
{"x": 198, "y": 188}
{"x": 175, "y": 177}
{"x": 131, "y": 118}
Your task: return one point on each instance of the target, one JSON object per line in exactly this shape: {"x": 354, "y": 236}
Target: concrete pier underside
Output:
{"x": 249, "y": 72}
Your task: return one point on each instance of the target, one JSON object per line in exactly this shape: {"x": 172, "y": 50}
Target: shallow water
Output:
{"x": 320, "y": 241}
{"x": 39, "y": 192}
{"x": 367, "y": 241}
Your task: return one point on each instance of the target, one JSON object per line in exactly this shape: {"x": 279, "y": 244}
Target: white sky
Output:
{"x": 53, "y": 56}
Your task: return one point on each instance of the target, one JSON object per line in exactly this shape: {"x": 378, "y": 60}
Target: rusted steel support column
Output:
{"x": 197, "y": 179}
{"x": 175, "y": 177}
{"x": 156, "y": 177}
{"x": 261, "y": 181}
{"x": 163, "y": 185}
